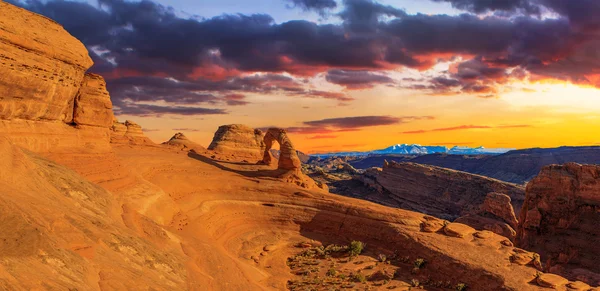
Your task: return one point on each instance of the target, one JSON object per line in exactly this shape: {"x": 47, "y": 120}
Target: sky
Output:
{"x": 349, "y": 74}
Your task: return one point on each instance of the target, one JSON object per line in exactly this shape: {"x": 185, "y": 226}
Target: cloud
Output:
{"x": 363, "y": 121}
{"x": 320, "y": 6}
{"x": 466, "y": 127}
{"x": 235, "y": 99}
{"x": 221, "y": 54}
{"x": 186, "y": 129}
{"x": 357, "y": 79}
{"x": 325, "y": 136}
{"x": 481, "y": 6}
{"x": 347, "y": 124}
{"x": 127, "y": 108}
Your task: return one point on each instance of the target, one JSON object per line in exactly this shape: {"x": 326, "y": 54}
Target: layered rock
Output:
{"x": 92, "y": 104}
{"x": 560, "y": 218}
{"x": 238, "y": 140}
{"x": 42, "y": 67}
{"x": 288, "y": 158}
{"x": 496, "y": 214}
{"x": 442, "y": 192}
{"x": 47, "y": 103}
{"x": 128, "y": 132}
{"x": 179, "y": 140}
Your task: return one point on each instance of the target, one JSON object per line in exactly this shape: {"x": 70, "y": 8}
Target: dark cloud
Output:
{"x": 357, "y": 79}
{"x": 320, "y": 6}
{"x": 235, "y": 99}
{"x": 213, "y": 57}
{"x": 480, "y": 6}
{"x": 466, "y": 127}
{"x": 344, "y": 124}
{"x": 137, "y": 109}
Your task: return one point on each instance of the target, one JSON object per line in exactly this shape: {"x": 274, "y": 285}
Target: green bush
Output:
{"x": 461, "y": 287}
{"x": 419, "y": 263}
{"x": 331, "y": 272}
{"x": 356, "y": 248}
{"x": 359, "y": 277}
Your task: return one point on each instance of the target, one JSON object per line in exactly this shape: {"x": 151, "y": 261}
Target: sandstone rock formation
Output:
{"x": 560, "y": 218}
{"x": 517, "y": 166}
{"x": 42, "y": 67}
{"x": 47, "y": 102}
{"x": 128, "y": 132}
{"x": 495, "y": 214}
{"x": 288, "y": 158}
{"x": 179, "y": 140}
{"x": 238, "y": 140}
{"x": 442, "y": 192}
{"x": 92, "y": 104}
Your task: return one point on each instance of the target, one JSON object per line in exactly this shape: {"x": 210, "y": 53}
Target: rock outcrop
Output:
{"x": 47, "y": 102}
{"x": 560, "y": 218}
{"x": 496, "y": 214}
{"x": 128, "y": 132}
{"x": 442, "y": 192}
{"x": 42, "y": 67}
{"x": 92, "y": 104}
{"x": 180, "y": 141}
{"x": 288, "y": 158}
{"x": 238, "y": 141}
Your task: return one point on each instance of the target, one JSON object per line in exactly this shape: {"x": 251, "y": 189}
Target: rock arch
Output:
{"x": 288, "y": 158}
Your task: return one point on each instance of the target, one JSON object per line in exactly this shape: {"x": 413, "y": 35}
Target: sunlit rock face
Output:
{"x": 239, "y": 140}
{"x": 560, "y": 218}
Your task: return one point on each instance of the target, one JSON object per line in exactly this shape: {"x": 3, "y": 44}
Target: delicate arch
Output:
{"x": 288, "y": 158}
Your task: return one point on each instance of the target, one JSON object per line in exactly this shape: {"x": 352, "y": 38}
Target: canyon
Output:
{"x": 91, "y": 203}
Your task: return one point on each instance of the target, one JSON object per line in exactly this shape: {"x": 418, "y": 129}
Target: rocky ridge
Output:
{"x": 560, "y": 217}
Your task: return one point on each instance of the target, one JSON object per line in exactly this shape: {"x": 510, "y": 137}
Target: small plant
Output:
{"x": 382, "y": 258}
{"x": 461, "y": 287}
{"x": 359, "y": 277}
{"x": 419, "y": 263}
{"x": 415, "y": 283}
{"x": 342, "y": 276}
{"x": 331, "y": 272}
{"x": 356, "y": 248}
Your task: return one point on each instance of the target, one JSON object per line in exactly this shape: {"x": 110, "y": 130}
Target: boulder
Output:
{"x": 495, "y": 214}
{"x": 238, "y": 141}
{"x": 560, "y": 218}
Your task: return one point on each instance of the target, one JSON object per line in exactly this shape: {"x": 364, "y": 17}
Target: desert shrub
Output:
{"x": 356, "y": 248}
{"x": 331, "y": 272}
{"x": 382, "y": 258}
{"x": 359, "y": 277}
{"x": 415, "y": 283}
{"x": 461, "y": 287}
{"x": 419, "y": 263}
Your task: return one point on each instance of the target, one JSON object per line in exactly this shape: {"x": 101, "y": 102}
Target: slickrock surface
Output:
{"x": 128, "y": 132}
{"x": 288, "y": 158}
{"x": 92, "y": 105}
{"x": 41, "y": 67}
{"x": 238, "y": 140}
{"x": 560, "y": 219}
{"x": 442, "y": 192}
{"x": 495, "y": 214}
{"x": 180, "y": 141}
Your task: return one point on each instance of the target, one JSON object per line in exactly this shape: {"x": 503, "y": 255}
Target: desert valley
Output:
{"x": 90, "y": 202}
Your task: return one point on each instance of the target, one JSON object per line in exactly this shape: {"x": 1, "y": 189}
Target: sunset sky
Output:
{"x": 349, "y": 74}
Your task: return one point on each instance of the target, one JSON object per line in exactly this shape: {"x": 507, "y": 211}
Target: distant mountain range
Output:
{"x": 415, "y": 149}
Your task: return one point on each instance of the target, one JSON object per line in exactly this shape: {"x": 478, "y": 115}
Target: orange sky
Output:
{"x": 524, "y": 115}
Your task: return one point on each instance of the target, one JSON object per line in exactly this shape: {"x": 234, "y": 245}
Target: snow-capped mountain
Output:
{"x": 415, "y": 149}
